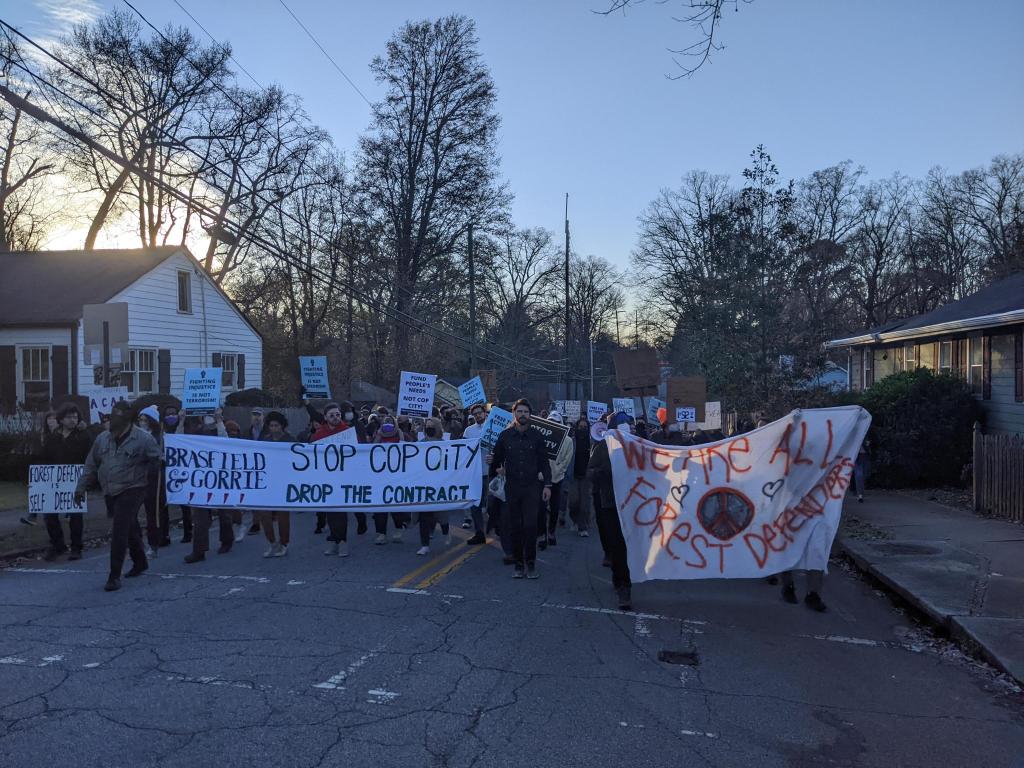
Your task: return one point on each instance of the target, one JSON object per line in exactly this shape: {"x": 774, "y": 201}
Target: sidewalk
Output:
{"x": 964, "y": 572}
{"x": 18, "y": 539}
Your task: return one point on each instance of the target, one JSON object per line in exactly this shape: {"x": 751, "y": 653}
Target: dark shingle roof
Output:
{"x": 50, "y": 287}
{"x": 1006, "y": 295}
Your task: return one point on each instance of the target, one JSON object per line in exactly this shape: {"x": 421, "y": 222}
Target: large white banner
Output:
{"x": 753, "y": 505}
{"x": 393, "y": 477}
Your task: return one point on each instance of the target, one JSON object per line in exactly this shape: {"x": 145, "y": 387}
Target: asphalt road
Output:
{"x": 387, "y": 659}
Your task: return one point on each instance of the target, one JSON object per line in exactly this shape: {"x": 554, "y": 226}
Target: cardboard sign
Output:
{"x": 201, "y": 394}
{"x": 345, "y": 437}
{"x": 446, "y": 393}
{"x": 497, "y": 422}
{"x": 489, "y": 377}
{"x": 686, "y": 415}
{"x": 572, "y": 410}
{"x": 552, "y": 432}
{"x": 416, "y": 394}
{"x": 652, "y": 409}
{"x": 313, "y": 372}
{"x": 713, "y": 415}
{"x": 472, "y": 392}
{"x": 51, "y": 488}
{"x": 687, "y": 392}
{"x": 595, "y": 411}
{"x": 102, "y": 400}
{"x": 623, "y": 404}
{"x": 637, "y": 371}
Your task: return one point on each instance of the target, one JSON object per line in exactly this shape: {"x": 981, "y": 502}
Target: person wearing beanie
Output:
{"x": 387, "y": 434}
{"x": 608, "y": 525}
{"x": 339, "y": 417}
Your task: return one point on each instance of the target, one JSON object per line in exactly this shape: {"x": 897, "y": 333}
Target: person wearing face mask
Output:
{"x": 580, "y": 491}
{"x": 474, "y": 431}
{"x": 338, "y": 418}
{"x": 607, "y": 514}
{"x": 119, "y": 462}
{"x": 387, "y": 434}
{"x": 432, "y": 431}
{"x": 520, "y": 456}
{"x": 67, "y": 445}
{"x": 405, "y": 426}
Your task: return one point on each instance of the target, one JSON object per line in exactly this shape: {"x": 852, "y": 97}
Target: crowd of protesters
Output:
{"x": 527, "y": 496}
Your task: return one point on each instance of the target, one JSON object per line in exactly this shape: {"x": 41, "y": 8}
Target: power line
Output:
{"x": 325, "y": 53}
{"x": 198, "y": 24}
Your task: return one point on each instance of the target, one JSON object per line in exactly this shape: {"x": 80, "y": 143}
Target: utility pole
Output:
{"x": 472, "y": 303}
{"x": 567, "y": 296}
{"x": 591, "y": 370}
{"x": 637, "y": 321}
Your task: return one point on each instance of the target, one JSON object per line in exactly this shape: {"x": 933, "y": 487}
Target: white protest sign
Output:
{"x": 652, "y": 409}
{"x": 713, "y": 415}
{"x": 201, "y": 394}
{"x": 51, "y": 488}
{"x": 313, "y": 371}
{"x": 749, "y": 506}
{"x": 595, "y": 411}
{"x": 472, "y": 392}
{"x": 416, "y": 394}
{"x": 344, "y": 437}
{"x": 572, "y": 410}
{"x": 392, "y": 477}
{"x": 623, "y": 404}
{"x": 102, "y": 400}
{"x": 497, "y": 421}
{"x": 686, "y": 414}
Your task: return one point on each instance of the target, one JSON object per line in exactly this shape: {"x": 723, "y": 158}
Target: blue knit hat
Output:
{"x": 618, "y": 419}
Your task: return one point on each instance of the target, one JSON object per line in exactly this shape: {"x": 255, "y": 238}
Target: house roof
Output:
{"x": 1001, "y": 303}
{"x": 50, "y": 287}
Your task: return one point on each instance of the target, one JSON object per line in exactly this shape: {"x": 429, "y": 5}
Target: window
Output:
{"x": 909, "y": 357}
{"x": 229, "y": 370}
{"x": 945, "y": 356}
{"x": 139, "y": 372}
{"x": 867, "y": 366}
{"x": 975, "y": 374}
{"x": 185, "y": 293}
{"x": 35, "y": 378}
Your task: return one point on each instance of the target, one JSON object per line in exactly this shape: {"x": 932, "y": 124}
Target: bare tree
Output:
{"x": 993, "y": 198}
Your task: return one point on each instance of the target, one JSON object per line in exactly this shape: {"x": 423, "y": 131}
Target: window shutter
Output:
{"x": 240, "y": 371}
{"x": 8, "y": 379}
{"x": 986, "y": 367}
{"x": 164, "y": 371}
{"x": 917, "y": 357}
{"x": 955, "y": 355}
{"x": 58, "y": 375}
{"x": 216, "y": 359}
{"x": 937, "y": 351}
{"x": 870, "y": 366}
{"x": 1018, "y": 365}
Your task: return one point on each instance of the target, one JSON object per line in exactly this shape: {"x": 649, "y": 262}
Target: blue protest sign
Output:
{"x": 472, "y": 392}
{"x": 313, "y": 370}
{"x": 201, "y": 394}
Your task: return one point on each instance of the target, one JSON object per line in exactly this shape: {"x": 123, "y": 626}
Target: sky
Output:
{"x": 587, "y": 108}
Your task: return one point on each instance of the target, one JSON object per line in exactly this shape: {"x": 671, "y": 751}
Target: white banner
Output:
{"x": 753, "y": 505}
{"x": 102, "y": 400}
{"x": 395, "y": 477}
{"x": 51, "y": 488}
{"x": 416, "y": 394}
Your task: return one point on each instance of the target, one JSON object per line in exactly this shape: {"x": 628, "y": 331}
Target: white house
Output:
{"x": 177, "y": 319}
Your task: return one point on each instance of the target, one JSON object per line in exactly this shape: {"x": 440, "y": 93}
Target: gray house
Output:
{"x": 978, "y": 338}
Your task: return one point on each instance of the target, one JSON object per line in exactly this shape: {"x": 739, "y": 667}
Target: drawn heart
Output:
{"x": 724, "y": 512}
{"x": 770, "y": 489}
{"x": 679, "y": 492}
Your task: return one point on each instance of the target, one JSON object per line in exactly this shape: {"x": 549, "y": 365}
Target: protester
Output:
{"x": 520, "y": 456}
{"x": 119, "y": 461}
{"x": 861, "y": 467}
{"x": 473, "y": 432}
{"x": 607, "y": 514}
{"x": 432, "y": 431}
{"x": 149, "y": 421}
{"x": 559, "y": 468}
{"x": 812, "y": 599}
{"x": 173, "y": 422}
{"x": 316, "y": 420}
{"x": 580, "y": 490}
{"x": 68, "y": 444}
{"x": 213, "y": 426}
{"x": 338, "y": 418}
{"x": 51, "y": 424}
{"x": 387, "y": 434}
{"x": 257, "y": 431}
{"x": 277, "y": 432}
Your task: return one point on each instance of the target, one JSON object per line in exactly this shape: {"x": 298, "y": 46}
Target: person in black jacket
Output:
{"x": 608, "y": 524}
{"x": 520, "y": 456}
{"x": 68, "y": 444}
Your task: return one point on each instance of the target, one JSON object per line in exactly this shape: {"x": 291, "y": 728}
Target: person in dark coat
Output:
{"x": 608, "y": 524}
{"x": 69, "y": 443}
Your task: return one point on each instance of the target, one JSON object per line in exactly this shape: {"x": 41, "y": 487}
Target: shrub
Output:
{"x": 252, "y": 398}
{"x": 921, "y": 428}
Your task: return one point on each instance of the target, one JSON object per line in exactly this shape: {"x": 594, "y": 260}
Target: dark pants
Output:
{"x": 158, "y": 517}
{"x": 615, "y": 545}
{"x": 125, "y": 534}
{"x": 56, "y": 531}
{"x": 338, "y": 523}
{"x": 201, "y": 534}
{"x": 321, "y": 520}
{"x": 427, "y": 522}
{"x": 521, "y": 515}
{"x": 550, "y": 510}
{"x": 398, "y": 520}
{"x": 596, "y": 500}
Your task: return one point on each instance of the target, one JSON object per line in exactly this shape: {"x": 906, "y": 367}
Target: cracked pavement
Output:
{"x": 310, "y": 661}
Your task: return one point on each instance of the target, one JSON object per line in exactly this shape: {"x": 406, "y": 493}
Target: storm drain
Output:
{"x": 682, "y": 658}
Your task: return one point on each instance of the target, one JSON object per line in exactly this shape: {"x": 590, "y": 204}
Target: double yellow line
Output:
{"x": 433, "y": 571}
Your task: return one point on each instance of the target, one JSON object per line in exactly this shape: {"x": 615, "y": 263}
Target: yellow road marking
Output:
{"x": 430, "y": 564}
{"x": 448, "y": 569}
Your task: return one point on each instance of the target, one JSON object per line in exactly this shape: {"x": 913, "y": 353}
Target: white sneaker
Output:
{"x": 381, "y": 539}
{"x": 148, "y": 550}
{"x": 396, "y": 536}
{"x": 584, "y": 534}
{"x": 239, "y": 532}
{"x": 332, "y": 549}
{"x": 280, "y": 550}
{"x": 423, "y": 551}
{"x": 270, "y": 550}
{"x": 343, "y": 549}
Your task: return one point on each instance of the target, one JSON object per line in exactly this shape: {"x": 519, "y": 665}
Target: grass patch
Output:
{"x": 13, "y": 494}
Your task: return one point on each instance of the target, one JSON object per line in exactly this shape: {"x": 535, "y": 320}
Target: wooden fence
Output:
{"x": 999, "y": 475}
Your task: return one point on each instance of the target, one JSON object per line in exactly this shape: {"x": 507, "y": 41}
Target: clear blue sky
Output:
{"x": 586, "y": 107}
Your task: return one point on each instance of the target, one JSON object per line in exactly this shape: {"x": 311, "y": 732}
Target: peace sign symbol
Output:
{"x": 724, "y": 512}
